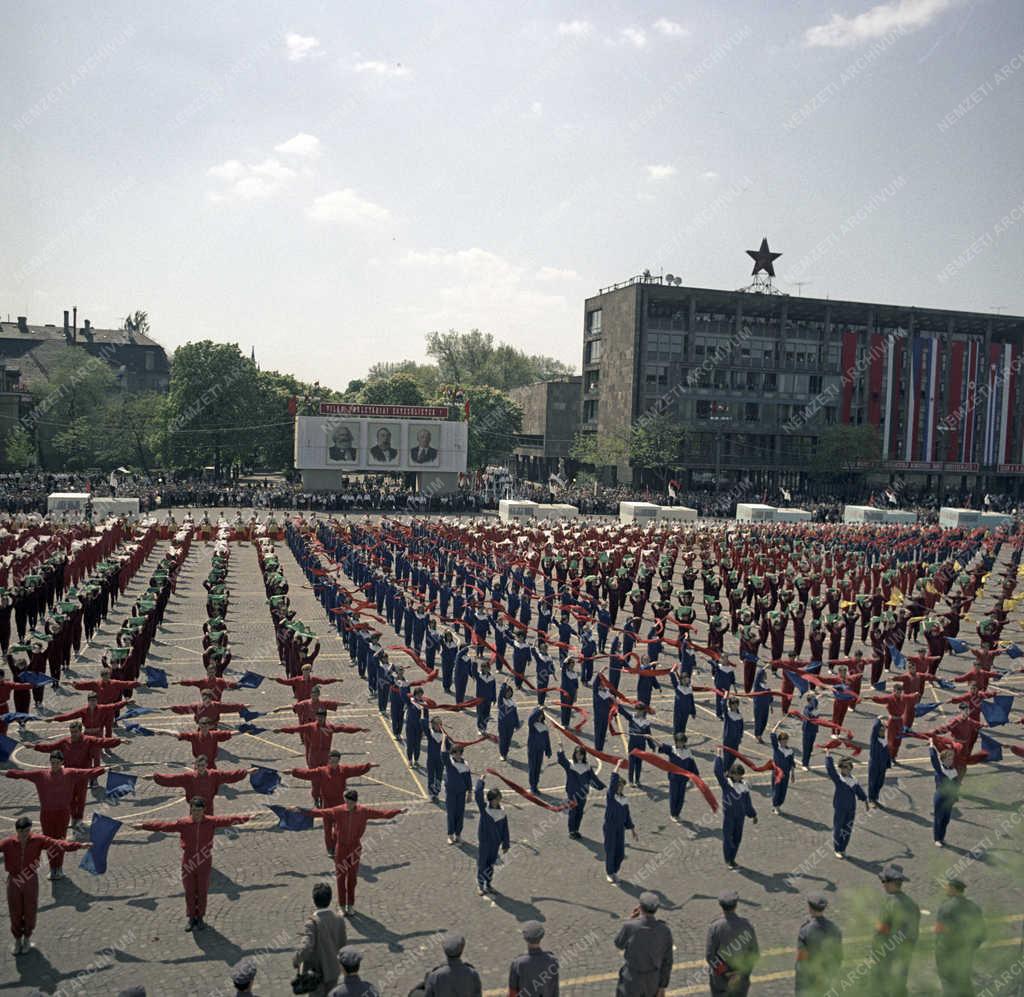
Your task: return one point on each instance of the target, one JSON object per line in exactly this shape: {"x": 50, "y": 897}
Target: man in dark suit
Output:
{"x": 423, "y": 452}
{"x": 342, "y": 447}
{"x": 383, "y": 451}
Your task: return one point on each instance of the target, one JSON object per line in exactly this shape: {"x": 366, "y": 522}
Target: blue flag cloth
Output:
{"x": 35, "y": 678}
{"x": 119, "y": 785}
{"x": 250, "y": 729}
{"x": 899, "y": 663}
{"x": 879, "y": 686}
{"x": 7, "y": 746}
{"x": 957, "y": 646}
{"x": 101, "y": 834}
{"x": 991, "y": 747}
{"x": 799, "y": 682}
{"x": 997, "y": 712}
{"x": 156, "y": 678}
{"x": 923, "y": 709}
{"x": 1014, "y": 652}
{"x": 292, "y": 818}
{"x": 10, "y": 718}
{"x": 814, "y": 666}
{"x": 140, "y": 730}
{"x": 749, "y": 656}
{"x": 947, "y": 685}
{"x": 265, "y": 780}
{"x": 249, "y": 714}
{"x": 136, "y": 711}
{"x": 250, "y": 680}
{"x": 843, "y": 695}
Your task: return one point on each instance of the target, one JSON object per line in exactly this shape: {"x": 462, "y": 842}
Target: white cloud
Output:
{"x": 709, "y": 175}
{"x": 660, "y": 171}
{"x": 301, "y": 47}
{"x": 670, "y": 29}
{"x": 556, "y": 273}
{"x": 536, "y": 109}
{"x": 379, "y": 68}
{"x": 576, "y": 29}
{"x": 635, "y": 36}
{"x": 903, "y": 15}
{"x": 302, "y": 145}
{"x": 250, "y": 181}
{"x": 346, "y": 207}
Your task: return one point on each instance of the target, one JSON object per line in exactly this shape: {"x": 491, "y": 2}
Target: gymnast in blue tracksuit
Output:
{"x": 432, "y": 643}
{"x": 458, "y": 783}
{"x": 679, "y": 755}
{"x": 654, "y": 643}
{"x": 492, "y": 834}
{"x": 784, "y": 758}
{"x": 588, "y": 650}
{"x": 385, "y": 676}
{"x": 617, "y": 821}
{"x": 616, "y": 661}
{"x": 808, "y": 714}
{"x": 410, "y": 626}
{"x": 398, "y": 691}
{"x": 565, "y": 633}
{"x": 603, "y": 700}
{"x": 570, "y": 685}
{"x": 544, "y": 667}
{"x": 463, "y": 670}
{"x": 521, "y": 655}
{"x": 844, "y": 802}
{"x": 736, "y": 807}
{"x": 486, "y": 692}
{"x": 508, "y": 720}
{"x": 538, "y": 744}
{"x": 732, "y": 724}
{"x": 724, "y": 678}
{"x": 639, "y": 738}
{"x": 646, "y": 682}
{"x": 762, "y": 696}
{"x": 449, "y": 651}
{"x": 879, "y": 759}
{"x": 947, "y": 792}
{"x": 435, "y": 762}
{"x": 416, "y": 717}
{"x": 684, "y": 706}
{"x": 604, "y": 622}
{"x": 419, "y": 629}
{"x": 579, "y": 777}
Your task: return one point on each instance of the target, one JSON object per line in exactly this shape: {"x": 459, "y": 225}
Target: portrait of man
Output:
{"x": 342, "y": 445}
{"x": 424, "y": 452}
{"x": 383, "y": 450}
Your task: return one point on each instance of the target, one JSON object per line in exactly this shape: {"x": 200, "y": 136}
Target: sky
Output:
{"x": 326, "y": 183}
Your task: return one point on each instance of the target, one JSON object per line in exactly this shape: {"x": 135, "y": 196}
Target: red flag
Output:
{"x": 467, "y": 410}
{"x": 293, "y": 405}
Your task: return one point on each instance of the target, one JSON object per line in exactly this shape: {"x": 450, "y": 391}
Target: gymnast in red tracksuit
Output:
{"x": 202, "y": 781}
{"x": 349, "y": 826}
{"x": 896, "y": 705}
{"x": 302, "y": 685}
{"x": 328, "y": 784}
{"x": 98, "y": 720}
{"x": 317, "y": 737}
{"x": 196, "y": 832}
{"x": 22, "y": 852}
{"x": 55, "y": 787}
{"x": 108, "y": 690}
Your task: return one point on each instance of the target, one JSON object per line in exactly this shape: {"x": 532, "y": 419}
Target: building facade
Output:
{"x": 756, "y": 377}
{"x": 551, "y": 415}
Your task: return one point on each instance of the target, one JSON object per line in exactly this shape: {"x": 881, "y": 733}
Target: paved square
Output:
{"x": 99, "y": 934}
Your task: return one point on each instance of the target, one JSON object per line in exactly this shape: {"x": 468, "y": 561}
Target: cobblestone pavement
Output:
{"x": 98, "y": 934}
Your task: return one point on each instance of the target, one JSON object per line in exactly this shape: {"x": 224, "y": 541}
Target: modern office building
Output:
{"x": 551, "y": 415}
{"x": 756, "y": 376}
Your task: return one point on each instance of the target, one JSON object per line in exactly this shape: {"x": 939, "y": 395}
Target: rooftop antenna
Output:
{"x": 800, "y": 285}
{"x": 998, "y": 308}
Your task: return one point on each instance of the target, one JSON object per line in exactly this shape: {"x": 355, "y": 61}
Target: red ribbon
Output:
{"x": 527, "y": 795}
{"x": 660, "y": 762}
{"x": 768, "y": 765}
{"x": 610, "y": 759}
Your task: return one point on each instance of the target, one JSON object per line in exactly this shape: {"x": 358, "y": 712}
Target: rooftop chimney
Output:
{"x": 87, "y": 331}
{"x": 74, "y": 325}
{"x": 67, "y": 327}
{"x": 22, "y": 323}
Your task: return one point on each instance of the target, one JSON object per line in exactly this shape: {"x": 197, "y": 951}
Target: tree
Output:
{"x": 20, "y": 449}
{"x": 399, "y": 389}
{"x": 494, "y": 419}
{"x": 139, "y": 322}
{"x": 656, "y": 444}
{"x": 213, "y": 412}
{"x": 844, "y": 450}
{"x": 599, "y": 451}
{"x": 426, "y": 375}
{"x": 466, "y": 358}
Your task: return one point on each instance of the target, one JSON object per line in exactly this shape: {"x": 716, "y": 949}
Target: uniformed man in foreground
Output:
{"x": 536, "y": 973}
{"x": 959, "y": 930}
{"x": 895, "y": 935}
{"x": 731, "y": 950}
{"x": 819, "y": 950}
{"x": 646, "y": 945}
{"x": 350, "y": 985}
{"x": 456, "y": 978}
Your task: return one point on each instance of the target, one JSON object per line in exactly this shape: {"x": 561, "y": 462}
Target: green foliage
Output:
{"x": 20, "y": 449}
{"x": 138, "y": 322}
{"x": 656, "y": 443}
{"x": 846, "y": 450}
{"x": 426, "y": 375}
{"x": 399, "y": 389}
{"x": 472, "y": 358}
{"x": 599, "y": 450}
{"x": 493, "y": 420}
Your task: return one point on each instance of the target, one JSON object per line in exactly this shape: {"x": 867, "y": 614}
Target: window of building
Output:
{"x": 594, "y": 322}
{"x": 721, "y": 379}
{"x": 150, "y": 360}
{"x": 592, "y": 380}
{"x": 592, "y": 351}
{"x": 703, "y": 409}
{"x": 752, "y": 412}
{"x": 590, "y": 410}
{"x": 814, "y": 384}
{"x": 770, "y": 381}
{"x": 831, "y": 415}
{"x": 753, "y": 381}
{"x": 698, "y": 350}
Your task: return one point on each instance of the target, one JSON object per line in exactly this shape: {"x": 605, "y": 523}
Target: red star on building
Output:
{"x": 764, "y": 259}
